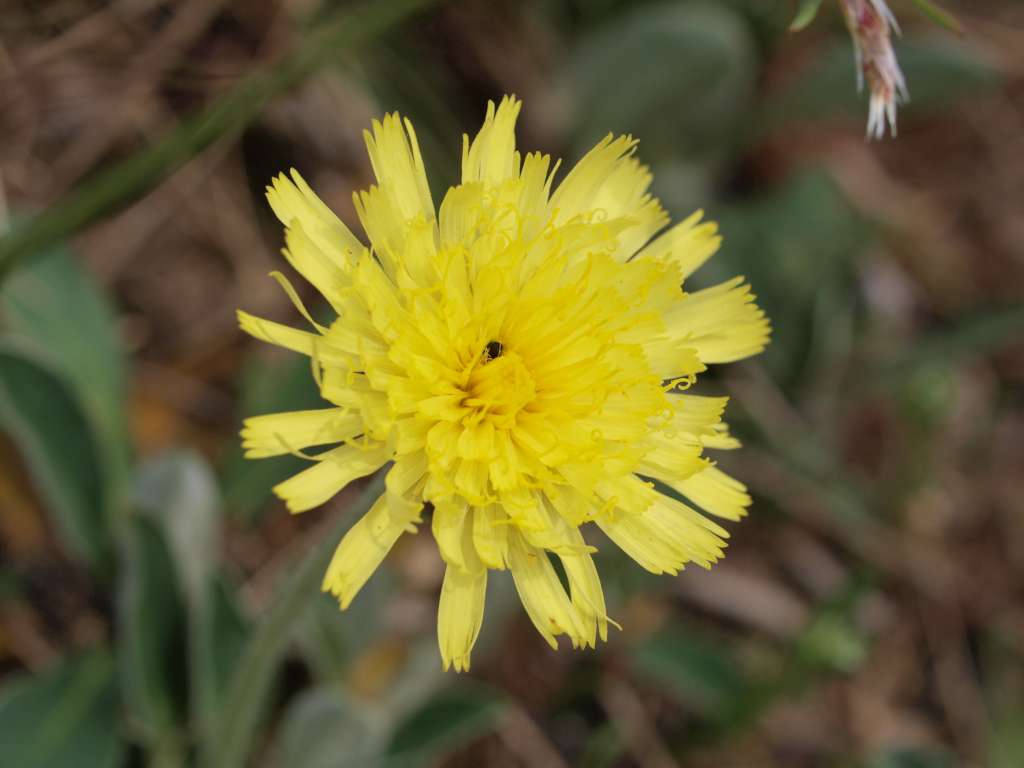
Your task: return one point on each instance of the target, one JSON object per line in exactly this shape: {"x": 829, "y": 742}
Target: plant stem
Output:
{"x": 133, "y": 177}
{"x": 230, "y": 740}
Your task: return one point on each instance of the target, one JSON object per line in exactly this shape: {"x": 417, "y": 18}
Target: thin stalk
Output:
{"x": 231, "y": 739}
{"x": 115, "y": 187}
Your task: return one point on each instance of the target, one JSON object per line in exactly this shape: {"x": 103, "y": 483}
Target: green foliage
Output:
{"x": 230, "y": 738}
{"x": 795, "y": 245}
{"x": 1006, "y": 744}
{"x": 64, "y": 718}
{"x": 64, "y": 377}
{"x": 677, "y": 76}
{"x": 332, "y": 639}
{"x": 56, "y": 306}
{"x": 176, "y": 609}
{"x": 180, "y": 629}
{"x": 449, "y": 720}
{"x": 152, "y": 631}
{"x": 325, "y": 728}
{"x": 43, "y": 415}
{"x": 701, "y": 673}
{"x": 806, "y": 13}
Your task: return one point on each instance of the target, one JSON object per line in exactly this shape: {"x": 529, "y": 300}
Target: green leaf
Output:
{"x": 57, "y": 307}
{"x": 128, "y": 180}
{"x": 229, "y": 635}
{"x": 324, "y": 728}
{"x": 805, "y": 14}
{"x": 64, "y": 718}
{"x": 44, "y": 416}
{"x": 330, "y": 638}
{"x": 450, "y": 720}
{"x": 678, "y": 76}
{"x": 178, "y": 492}
{"x": 151, "y": 620}
{"x": 795, "y": 244}
{"x": 230, "y": 741}
{"x": 940, "y": 16}
{"x": 694, "y": 670}
{"x": 1006, "y": 741}
{"x": 180, "y": 626}
{"x": 833, "y": 640}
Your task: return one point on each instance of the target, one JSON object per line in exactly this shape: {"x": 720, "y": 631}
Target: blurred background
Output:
{"x": 869, "y": 611}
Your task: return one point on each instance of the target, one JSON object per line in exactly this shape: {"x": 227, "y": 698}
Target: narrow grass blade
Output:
{"x": 126, "y": 181}
{"x": 940, "y": 16}
{"x": 807, "y": 12}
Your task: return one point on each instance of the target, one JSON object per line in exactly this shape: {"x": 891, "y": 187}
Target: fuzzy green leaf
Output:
{"x": 448, "y": 721}
{"x": 41, "y": 412}
{"x": 64, "y": 718}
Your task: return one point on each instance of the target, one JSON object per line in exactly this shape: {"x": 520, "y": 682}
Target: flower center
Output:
{"x": 500, "y": 387}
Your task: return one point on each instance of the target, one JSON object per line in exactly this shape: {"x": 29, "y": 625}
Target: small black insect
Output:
{"x": 493, "y": 349}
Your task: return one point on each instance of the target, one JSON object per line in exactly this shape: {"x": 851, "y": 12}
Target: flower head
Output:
{"x": 519, "y": 356}
{"x": 871, "y": 25}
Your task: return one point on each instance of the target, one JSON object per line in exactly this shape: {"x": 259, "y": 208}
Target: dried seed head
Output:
{"x": 871, "y": 25}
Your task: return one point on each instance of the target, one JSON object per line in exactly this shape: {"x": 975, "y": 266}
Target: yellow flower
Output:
{"x": 519, "y": 356}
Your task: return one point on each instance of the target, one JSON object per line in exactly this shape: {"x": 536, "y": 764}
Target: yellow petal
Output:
{"x": 696, "y": 416}
{"x": 624, "y": 194}
{"x": 672, "y": 457}
{"x": 460, "y": 213}
{"x": 279, "y": 433}
{"x": 580, "y": 188}
{"x": 406, "y": 473}
{"x": 672, "y": 357}
{"x": 304, "y": 342}
{"x": 716, "y": 492}
{"x": 633, "y": 535}
{"x": 450, "y": 527}
{"x": 333, "y": 471}
{"x": 276, "y": 333}
{"x": 395, "y": 157}
{"x": 491, "y": 157}
{"x": 721, "y": 440}
{"x": 722, "y": 322}
{"x": 321, "y": 269}
{"x": 694, "y": 537}
{"x": 664, "y": 536}
{"x": 295, "y": 204}
{"x": 687, "y": 245}
{"x": 366, "y": 545}
{"x": 584, "y": 587}
{"x": 543, "y": 597}
{"x": 460, "y": 615}
{"x": 490, "y": 536}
